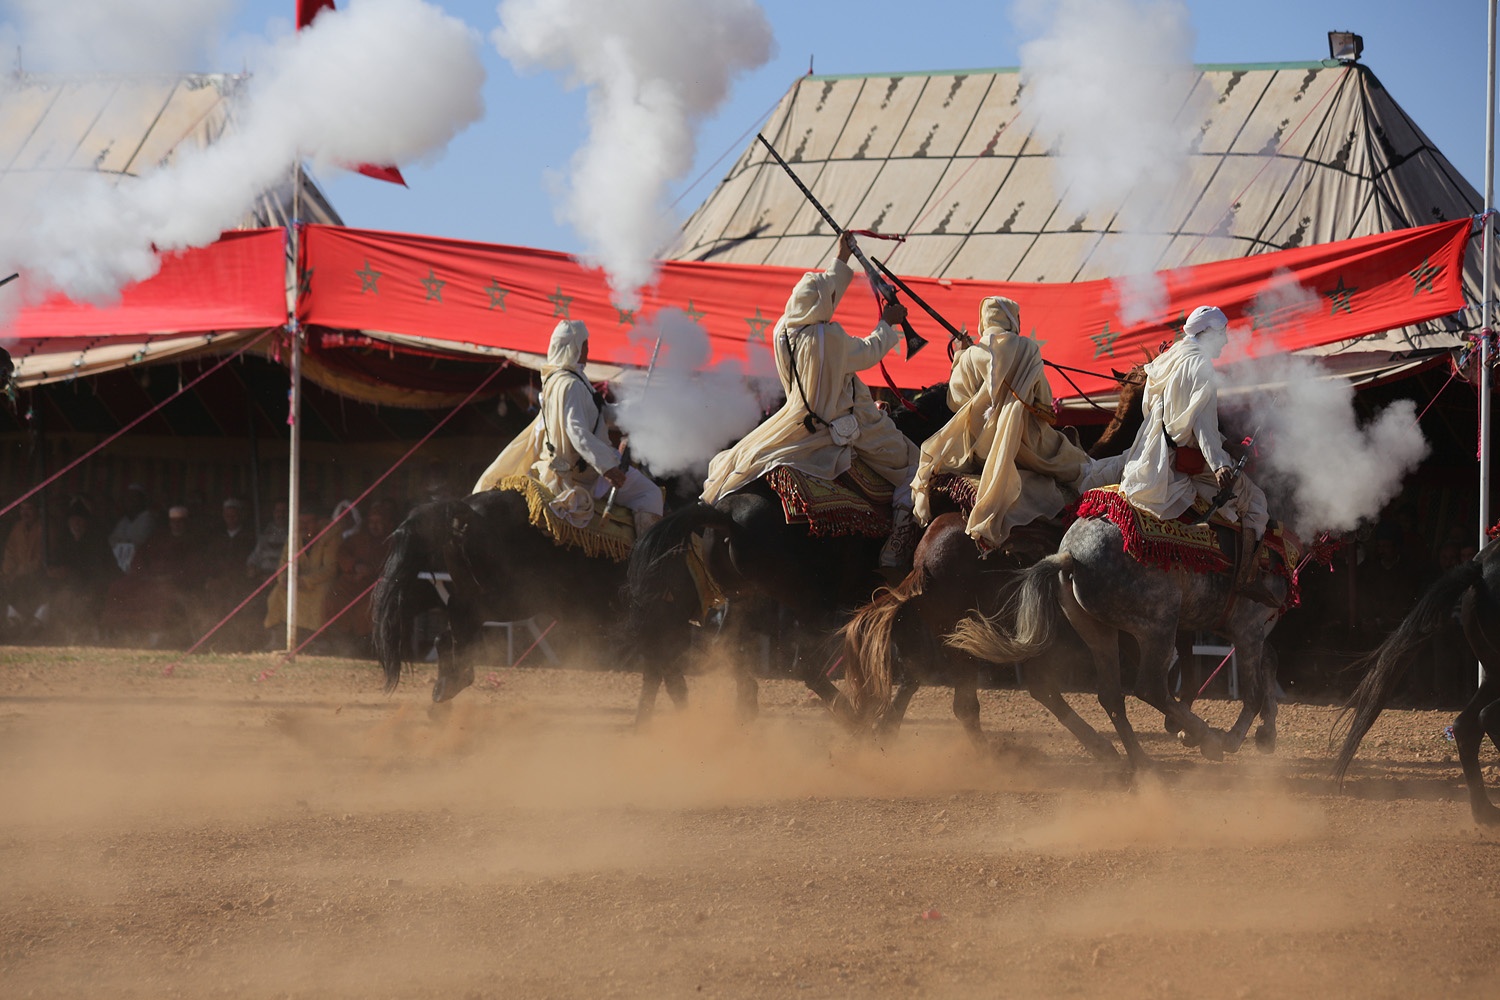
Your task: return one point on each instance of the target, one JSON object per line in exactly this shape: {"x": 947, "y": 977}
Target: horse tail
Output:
{"x": 1032, "y": 606}
{"x": 1387, "y": 663}
{"x": 868, "y": 660}
{"x": 416, "y": 546}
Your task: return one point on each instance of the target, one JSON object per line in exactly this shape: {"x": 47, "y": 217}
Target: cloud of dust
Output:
{"x": 1107, "y": 87}
{"x": 687, "y": 410}
{"x": 1315, "y": 454}
{"x": 653, "y": 70}
{"x": 383, "y": 81}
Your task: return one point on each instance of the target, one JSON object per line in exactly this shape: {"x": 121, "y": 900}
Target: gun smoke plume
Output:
{"x": 1106, "y": 87}
{"x": 653, "y": 70}
{"x": 1316, "y": 455}
{"x": 688, "y": 412}
{"x": 384, "y": 81}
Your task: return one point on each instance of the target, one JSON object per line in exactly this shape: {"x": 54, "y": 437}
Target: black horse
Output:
{"x": 501, "y": 568}
{"x": 1473, "y": 587}
{"x": 753, "y": 556}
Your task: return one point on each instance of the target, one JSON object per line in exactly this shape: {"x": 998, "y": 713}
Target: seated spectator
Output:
{"x": 316, "y": 569}
{"x": 226, "y": 550}
{"x": 22, "y": 574}
{"x": 361, "y": 555}
{"x": 270, "y": 544}
{"x": 80, "y": 568}
{"x": 153, "y": 603}
{"x": 135, "y": 526}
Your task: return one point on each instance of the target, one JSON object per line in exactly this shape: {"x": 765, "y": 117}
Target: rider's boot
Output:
{"x": 1250, "y": 581}
{"x": 644, "y": 519}
{"x": 898, "y": 549}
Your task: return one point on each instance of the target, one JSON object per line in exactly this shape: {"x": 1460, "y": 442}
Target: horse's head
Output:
{"x": 930, "y": 413}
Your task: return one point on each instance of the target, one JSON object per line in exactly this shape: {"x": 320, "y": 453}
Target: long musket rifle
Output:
{"x": 883, "y": 289}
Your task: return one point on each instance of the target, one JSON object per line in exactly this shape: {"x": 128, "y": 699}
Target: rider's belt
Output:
{"x": 1188, "y": 461}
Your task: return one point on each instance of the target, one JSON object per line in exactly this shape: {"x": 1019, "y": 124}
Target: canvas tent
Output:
{"x": 1288, "y": 155}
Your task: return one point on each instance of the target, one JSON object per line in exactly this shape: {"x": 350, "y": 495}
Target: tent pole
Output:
{"x": 294, "y": 418}
{"x": 1488, "y": 294}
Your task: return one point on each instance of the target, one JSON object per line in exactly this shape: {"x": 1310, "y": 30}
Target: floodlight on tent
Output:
{"x": 1345, "y": 46}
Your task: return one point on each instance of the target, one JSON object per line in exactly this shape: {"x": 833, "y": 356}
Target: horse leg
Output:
{"x": 890, "y": 723}
{"x": 1265, "y": 733}
{"x": 455, "y": 656}
{"x": 1480, "y": 716}
{"x": 1157, "y": 648}
{"x": 1040, "y": 676}
{"x": 645, "y": 706}
{"x": 966, "y": 699}
{"x": 1104, "y": 642}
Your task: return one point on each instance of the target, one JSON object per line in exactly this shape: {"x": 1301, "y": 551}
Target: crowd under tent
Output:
{"x": 1307, "y": 169}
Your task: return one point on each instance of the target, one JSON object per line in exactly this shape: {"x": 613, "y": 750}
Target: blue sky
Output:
{"x": 491, "y": 183}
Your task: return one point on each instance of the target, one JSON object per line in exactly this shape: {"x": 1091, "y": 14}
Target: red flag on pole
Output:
{"x": 306, "y": 11}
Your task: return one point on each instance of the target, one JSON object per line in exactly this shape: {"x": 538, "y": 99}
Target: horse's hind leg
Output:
{"x": 966, "y": 698}
{"x": 1481, "y": 716}
{"x": 1151, "y": 686}
{"x": 1104, "y": 642}
{"x": 1041, "y": 683}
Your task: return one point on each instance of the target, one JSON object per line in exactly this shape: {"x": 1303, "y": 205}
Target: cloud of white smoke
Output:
{"x": 1316, "y": 455}
{"x": 653, "y": 70}
{"x": 384, "y": 81}
{"x": 1104, "y": 89}
{"x": 113, "y": 36}
{"x": 688, "y": 411}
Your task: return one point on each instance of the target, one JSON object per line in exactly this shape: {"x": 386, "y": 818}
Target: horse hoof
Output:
{"x": 1188, "y": 739}
{"x": 1212, "y": 746}
{"x": 1265, "y": 739}
{"x": 1486, "y": 815}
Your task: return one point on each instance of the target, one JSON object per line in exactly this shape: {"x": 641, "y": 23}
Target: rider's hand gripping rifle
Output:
{"x": 883, "y": 289}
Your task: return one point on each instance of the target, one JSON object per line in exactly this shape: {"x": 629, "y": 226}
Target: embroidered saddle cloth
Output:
{"x": 1199, "y": 548}
{"x": 856, "y": 503}
{"x": 611, "y": 536}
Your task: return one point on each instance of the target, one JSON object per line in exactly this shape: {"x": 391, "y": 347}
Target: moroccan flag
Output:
{"x": 306, "y": 11}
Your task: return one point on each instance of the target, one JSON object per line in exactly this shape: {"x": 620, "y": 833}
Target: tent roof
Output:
{"x": 124, "y": 125}
{"x": 1290, "y": 154}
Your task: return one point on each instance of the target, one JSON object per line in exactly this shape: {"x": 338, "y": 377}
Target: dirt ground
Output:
{"x": 247, "y": 829}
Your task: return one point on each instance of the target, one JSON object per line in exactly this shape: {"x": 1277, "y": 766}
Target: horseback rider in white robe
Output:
{"x": 567, "y": 447}
{"x": 1178, "y": 455}
{"x": 1003, "y": 418}
{"x": 828, "y": 416}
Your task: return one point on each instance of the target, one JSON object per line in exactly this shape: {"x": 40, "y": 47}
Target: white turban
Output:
{"x": 567, "y": 342}
{"x": 999, "y": 312}
{"x": 813, "y": 300}
{"x": 1205, "y": 318}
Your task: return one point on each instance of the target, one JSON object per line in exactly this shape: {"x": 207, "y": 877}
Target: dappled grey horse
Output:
{"x": 1103, "y": 591}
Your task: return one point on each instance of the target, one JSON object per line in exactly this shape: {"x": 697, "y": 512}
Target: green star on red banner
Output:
{"x": 627, "y": 316}
{"x": 560, "y": 302}
{"x": 1423, "y": 275}
{"x": 758, "y": 324}
{"x": 1341, "y": 297}
{"x": 693, "y": 314}
{"x": 368, "y": 278}
{"x": 497, "y": 294}
{"x": 1104, "y": 341}
{"x": 434, "y": 286}
{"x": 1031, "y": 336}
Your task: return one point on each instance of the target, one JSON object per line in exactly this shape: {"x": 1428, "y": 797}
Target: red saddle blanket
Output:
{"x": 1198, "y": 548}
{"x": 856, "y": 503}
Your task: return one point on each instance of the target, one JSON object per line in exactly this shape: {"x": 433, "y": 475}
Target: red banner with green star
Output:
{"x": 457, "y": 293}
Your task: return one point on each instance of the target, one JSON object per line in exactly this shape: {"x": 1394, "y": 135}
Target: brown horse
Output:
{"x": 1472, "y": 587}
{"x": 897, "y": 632}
